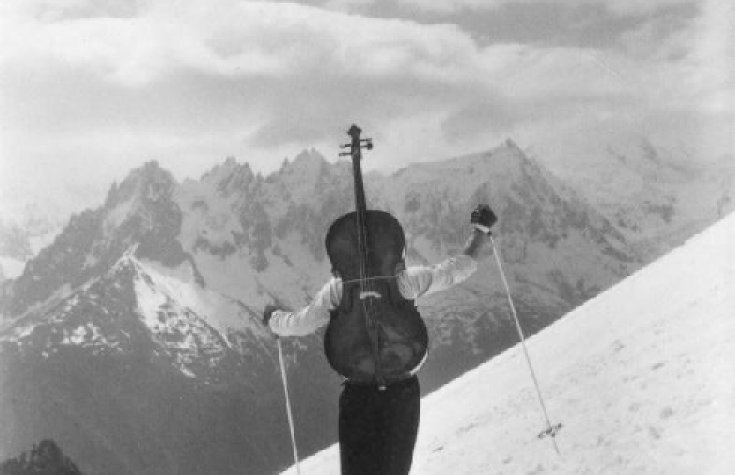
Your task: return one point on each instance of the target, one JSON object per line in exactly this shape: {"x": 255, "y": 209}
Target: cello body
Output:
{"x": 375, "y": 335}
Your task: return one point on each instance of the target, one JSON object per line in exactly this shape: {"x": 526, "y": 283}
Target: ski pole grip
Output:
{"x": 482, "y": 218}
{"x": 481, "y": 228}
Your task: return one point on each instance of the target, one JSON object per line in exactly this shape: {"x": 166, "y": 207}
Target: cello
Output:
{"x": 375, "y": 335}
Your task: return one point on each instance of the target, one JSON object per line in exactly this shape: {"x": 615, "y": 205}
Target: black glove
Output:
{"x": 268, "y": 313}
{"x": 483, "y": 218}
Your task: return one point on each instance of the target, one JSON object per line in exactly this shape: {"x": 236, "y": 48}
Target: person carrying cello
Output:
{"x": 378, "y": 422}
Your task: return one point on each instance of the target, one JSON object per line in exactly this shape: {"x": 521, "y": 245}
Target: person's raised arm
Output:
{"x": 421, "y": 280}
{"x": 482, "y": 219}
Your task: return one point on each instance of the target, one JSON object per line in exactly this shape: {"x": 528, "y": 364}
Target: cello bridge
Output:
{"x": 369, "y": 293}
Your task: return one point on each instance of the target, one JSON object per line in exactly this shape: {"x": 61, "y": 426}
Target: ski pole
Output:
{"x": 550, "y": 430}
{"x": 288, "y": 406}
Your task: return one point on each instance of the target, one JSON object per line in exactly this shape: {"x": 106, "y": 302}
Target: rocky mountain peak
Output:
{"x": 308, "y": 164}
{"x": 147, "y": 184}
{"x": 510, "y": 143}
{"x": 308, "y": 158}
{"x": 139, "y": 211}
{"x": 306, "y": 177}
{"x": 230, "y": 177}
{"x": 504, "y": 163}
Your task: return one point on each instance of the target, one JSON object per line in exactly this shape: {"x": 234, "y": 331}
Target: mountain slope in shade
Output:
{"x": 640, "y": 376}
{"x": 46, "y": 458}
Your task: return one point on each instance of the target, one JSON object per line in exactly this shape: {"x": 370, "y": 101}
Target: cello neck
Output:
{"x": 356, "y": 146}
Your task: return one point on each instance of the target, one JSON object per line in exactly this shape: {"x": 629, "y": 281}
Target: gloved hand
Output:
{"x": 483, "y": 218}
{"x": 268, "y": 313}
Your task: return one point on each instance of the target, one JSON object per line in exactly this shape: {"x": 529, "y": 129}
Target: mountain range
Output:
{"x": 134, "y": 339}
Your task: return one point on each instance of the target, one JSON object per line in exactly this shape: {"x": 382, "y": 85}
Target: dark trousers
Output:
{"x": 377, "y": 429}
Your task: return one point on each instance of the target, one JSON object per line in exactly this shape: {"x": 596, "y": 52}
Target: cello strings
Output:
{"x": 376, "y": 277}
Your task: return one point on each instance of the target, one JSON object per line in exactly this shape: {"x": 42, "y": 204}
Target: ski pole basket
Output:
{"x": 550, "y": 431}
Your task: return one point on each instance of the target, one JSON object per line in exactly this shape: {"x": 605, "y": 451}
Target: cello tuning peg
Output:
{"x": 368, "y": 143}
{"x": 345, "y": 145}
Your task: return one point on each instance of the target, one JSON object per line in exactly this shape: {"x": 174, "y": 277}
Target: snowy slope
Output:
{"x": 640, "y": 376}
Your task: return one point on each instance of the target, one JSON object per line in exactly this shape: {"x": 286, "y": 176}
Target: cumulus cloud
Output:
{"x": 619, "y": 7}
{"x": 179, "y": 80}
{"x": 290, "y": 64}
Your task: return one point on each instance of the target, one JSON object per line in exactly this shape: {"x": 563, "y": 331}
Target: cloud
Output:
{"x": 618, "y": 7}
{"x": 232, "y": 38}
{"x": 291, "y": 65}
{"x": 195, "y": 81}
{"x": 295, "y": 68}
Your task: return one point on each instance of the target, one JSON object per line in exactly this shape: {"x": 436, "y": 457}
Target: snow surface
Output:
{"x": 213, "y": 214}
{"x": 11, "y": 268}
{"x": 118, "y": 215}
{"x": 179, "y": 285}
{"x": 641, "y": 377}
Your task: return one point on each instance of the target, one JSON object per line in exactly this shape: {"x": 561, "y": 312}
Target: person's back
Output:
{"x": 379, "y": 417}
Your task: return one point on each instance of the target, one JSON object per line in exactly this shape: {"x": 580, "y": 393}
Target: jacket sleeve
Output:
{"x": 310, "y": 318}
{"x": 415, "y": 282}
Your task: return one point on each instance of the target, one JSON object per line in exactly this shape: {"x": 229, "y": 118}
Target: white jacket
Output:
{"x": 413, "y": 282}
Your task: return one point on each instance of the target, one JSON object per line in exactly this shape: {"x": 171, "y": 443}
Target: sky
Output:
{"x": 92, "y": 88}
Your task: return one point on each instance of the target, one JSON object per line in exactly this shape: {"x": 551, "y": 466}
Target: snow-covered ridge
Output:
{"x": 640, "y": 376}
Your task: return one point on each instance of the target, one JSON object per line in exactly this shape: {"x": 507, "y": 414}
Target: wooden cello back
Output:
{"x": 375, "y": 335}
